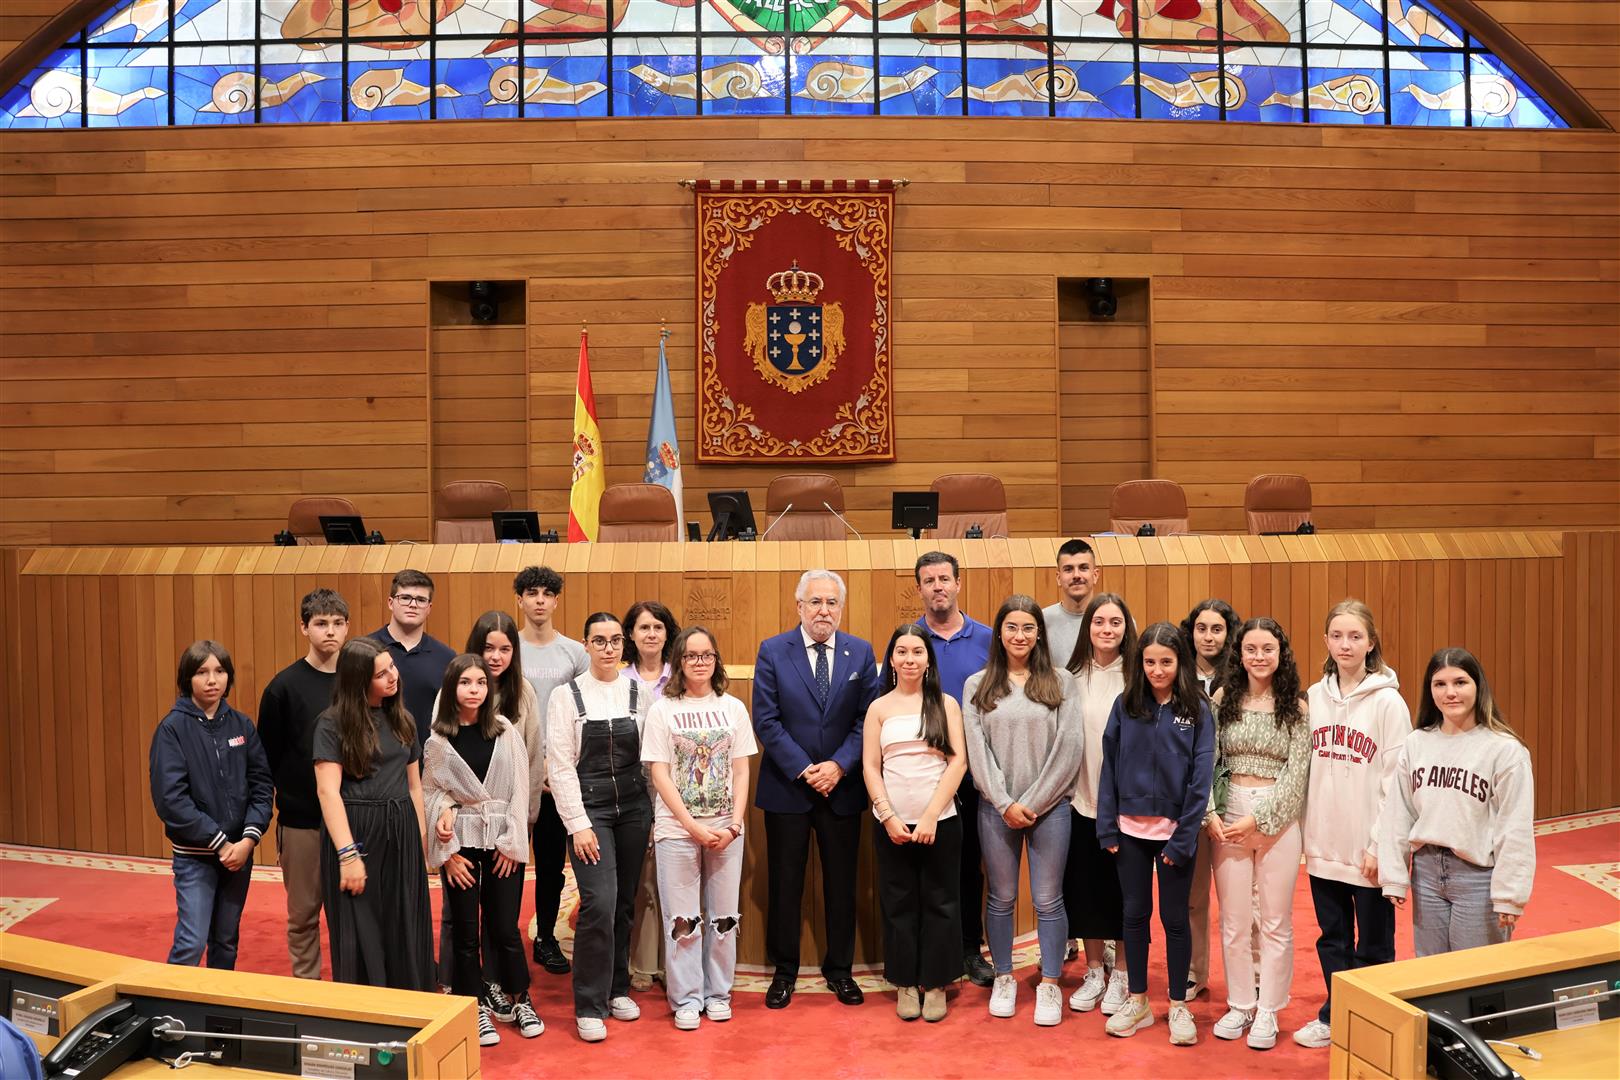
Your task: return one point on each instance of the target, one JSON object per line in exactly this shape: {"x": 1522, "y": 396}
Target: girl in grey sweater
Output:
{"x": 1024, "y": 741}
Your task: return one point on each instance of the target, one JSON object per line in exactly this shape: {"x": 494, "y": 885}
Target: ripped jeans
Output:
{"x": 697, "y": 889}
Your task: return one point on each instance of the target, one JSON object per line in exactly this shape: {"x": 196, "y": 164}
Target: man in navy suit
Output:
{"x": 812, "y": 686}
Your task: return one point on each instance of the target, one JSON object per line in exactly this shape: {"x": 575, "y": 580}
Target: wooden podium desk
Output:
{"x": 1378, "y": 1032}
{"x": 440, "y": 1031}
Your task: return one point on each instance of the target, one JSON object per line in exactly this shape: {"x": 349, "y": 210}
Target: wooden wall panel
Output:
{"x": 1537, "y": 607}
{"x": 201, "y": 325}
{"x": 478, "y": 406}
{"x": 1105, "y": 382}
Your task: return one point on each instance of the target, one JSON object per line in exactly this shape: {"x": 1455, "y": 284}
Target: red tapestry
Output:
{"x": 793, "y": 324}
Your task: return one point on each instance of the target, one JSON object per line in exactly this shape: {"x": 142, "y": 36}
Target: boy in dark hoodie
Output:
{"x": 212, "y": 789}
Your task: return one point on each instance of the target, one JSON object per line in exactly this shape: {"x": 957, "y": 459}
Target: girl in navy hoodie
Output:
{"x": 212, "y": 789}
{"x": 1158, "y": 763}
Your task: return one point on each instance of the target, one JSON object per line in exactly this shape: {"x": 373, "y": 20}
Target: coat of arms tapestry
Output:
{"x": 794, "y": 321}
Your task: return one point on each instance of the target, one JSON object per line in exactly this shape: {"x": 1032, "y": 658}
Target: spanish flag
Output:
{"x": 590, "y": 464}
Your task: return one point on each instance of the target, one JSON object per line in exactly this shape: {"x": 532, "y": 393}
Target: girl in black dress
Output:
{"x": 368, "y": 776}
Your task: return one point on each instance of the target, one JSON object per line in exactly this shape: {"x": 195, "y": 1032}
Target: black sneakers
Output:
{"x": 549, "y": 955}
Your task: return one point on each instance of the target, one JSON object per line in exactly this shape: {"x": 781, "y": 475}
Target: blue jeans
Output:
{"x": 209, "y": 901}
{"x": 1002, "y": 846}
{"x": 1451, "y": 903}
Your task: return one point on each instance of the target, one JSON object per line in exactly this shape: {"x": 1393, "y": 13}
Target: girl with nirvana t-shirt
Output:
{"x": 697, "y": 742}
{"x": 476, "y": 789}
{"x": 1462, "y": 809}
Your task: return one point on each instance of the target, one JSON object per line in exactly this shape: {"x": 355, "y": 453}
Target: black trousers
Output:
{"x": 1138, "y": 860}
{"x": 1341, "y": 910}
{"x": 1091, "y": 893}
{"x": 971, "y": 892}
{"x": 787, "y": 849}
{"x": 547, "y": 853}
{"x": 607, "y": 902}
{"x": 490, "y": 907}
{"x": 918, "y": 888}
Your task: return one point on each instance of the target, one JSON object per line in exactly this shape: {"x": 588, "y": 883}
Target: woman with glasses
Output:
{"x": 593, "y": 753}
{"x": 698, "y": 741}
{"x": 650, "y": 628}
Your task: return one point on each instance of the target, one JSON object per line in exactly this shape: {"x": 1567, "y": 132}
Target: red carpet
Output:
{"x": 126, "y": 905}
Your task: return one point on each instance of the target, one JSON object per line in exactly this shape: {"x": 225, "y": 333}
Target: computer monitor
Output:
{"x": 343, "y": 528}
{"x": 915, "y": 511}
{"x": 516, "y": 526}
{"x": 733, "y": 515}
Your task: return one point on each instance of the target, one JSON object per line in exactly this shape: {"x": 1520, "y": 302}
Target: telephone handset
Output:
{"x": 100, "y": 1043}
{"x": 1456, "y": 1052}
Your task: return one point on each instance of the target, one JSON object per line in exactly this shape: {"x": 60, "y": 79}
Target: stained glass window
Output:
{"x": 161, "y": 62}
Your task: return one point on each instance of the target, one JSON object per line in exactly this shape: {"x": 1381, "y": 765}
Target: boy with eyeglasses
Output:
{"x": 419, "y": 656}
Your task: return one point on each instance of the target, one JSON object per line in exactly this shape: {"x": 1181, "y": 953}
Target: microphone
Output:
{"x": 779, "y": 517}
{"x": 842, "y": 518}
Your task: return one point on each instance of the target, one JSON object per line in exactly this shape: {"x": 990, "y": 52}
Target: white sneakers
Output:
{"x": 624, "y": 1008}
{"x": 718, "y": 1011}
{"x": 1183, "y": 1032}
{"x": 1315, "y": 1035}
{"x": 1089, "y": 992}
{"x": 1133, "y": 1016}
{"x": 688, "y": 1019}
{"x": 1004, "y": 996}
{"x": 1118, "y": 991}
{"x": 1263, "y": 1032}
{"x": 590, "y": 1028}
{"x": 1048, "y": 1004}
{"x": 1234, "y": 1023}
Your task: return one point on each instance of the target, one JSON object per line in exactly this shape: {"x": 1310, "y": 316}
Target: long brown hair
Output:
{"x": 447, "y": 721}
{"x": 935, "y": 727}
{"x": 676, "y": 685}
{"x": 505, "y": 689}
{"x": 1045, "y": 685}
{"x": 1486, "y": 712}
{"x": 357, "y": 736}
{"x": 1186, "y": 696}
{"x": 1363, "y": 614}
{"x": 1082, "y": 655}
{"x": 1284, "y": 684}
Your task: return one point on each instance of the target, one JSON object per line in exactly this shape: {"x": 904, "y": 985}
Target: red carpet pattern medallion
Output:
{"x": 793, "y": 321}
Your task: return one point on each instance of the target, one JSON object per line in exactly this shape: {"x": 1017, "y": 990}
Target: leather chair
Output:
{"x": 631, "y": 512}
{"x": 1161, "y": 503}
{"x": 461, "y": 511}
{"x": 809, "y": 519}
{"x": 304, "y": 516}
{"x": 1277, "y": 503}
{"x": 968, "y": 499}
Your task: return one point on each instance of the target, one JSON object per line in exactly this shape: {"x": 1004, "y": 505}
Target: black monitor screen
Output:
{"x": 516, "y": 526}
{"x": 343, "y": 529}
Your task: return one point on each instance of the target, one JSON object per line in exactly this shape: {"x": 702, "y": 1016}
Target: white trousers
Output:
{"x": 698, "y": 890}
{"x": 1260, "y": 870}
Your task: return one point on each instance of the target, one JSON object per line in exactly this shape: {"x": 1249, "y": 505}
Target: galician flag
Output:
{"x": 663, "y": 448}
{"x": 590, "y": 464}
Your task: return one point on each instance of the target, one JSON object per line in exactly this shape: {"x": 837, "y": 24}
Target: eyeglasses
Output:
{"x": 700, "y": 657}
{"x": 1012, "y": 630}
{"x": 821, "y": 604}
{"x": 412, "y": 600}
{"x": 606, "y": 642}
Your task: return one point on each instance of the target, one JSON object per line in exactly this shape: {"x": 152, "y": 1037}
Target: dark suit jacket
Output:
{"x": 796, "y": 731}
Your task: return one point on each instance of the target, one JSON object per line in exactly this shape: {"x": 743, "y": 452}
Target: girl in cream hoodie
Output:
{"x": 1358, "y": 722}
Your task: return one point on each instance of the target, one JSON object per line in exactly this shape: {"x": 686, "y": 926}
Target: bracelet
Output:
{"x": 884, "y": 816}
{"x": 351, "y": 857}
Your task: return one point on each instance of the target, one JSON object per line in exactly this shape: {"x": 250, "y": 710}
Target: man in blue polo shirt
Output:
{"x": 961, "y": 647}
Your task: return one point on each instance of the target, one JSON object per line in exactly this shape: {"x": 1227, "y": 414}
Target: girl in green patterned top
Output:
{"x": 1264, "y": 748}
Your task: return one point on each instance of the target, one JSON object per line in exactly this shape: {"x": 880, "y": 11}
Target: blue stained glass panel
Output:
{"x": 51, "y": 98}
{"x": 744, "y": 85}
{"x": 1509, "y": 102}
{"x": 1008, "y": 86}
{"x": 488, "y": 87}
{"x": 1270, "y": 86}
{"x": 572, "y": 87}
{"x": 126, "y": 96}
{"x": 301, "y": 93}
{"x": 1093, "y": 87}
{"x": 1190, "y": 91}
{"x": 214, "y": 85}
{"x": 656, "y": 83}
{"x": 1430, "y": 95}
{"x": 1358, "y": 84}
{"x": 919, "y": 78}
{"x": 834, "y": 85}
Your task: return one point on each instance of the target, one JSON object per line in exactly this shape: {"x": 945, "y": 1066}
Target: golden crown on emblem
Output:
{"x": 794, "y": 286}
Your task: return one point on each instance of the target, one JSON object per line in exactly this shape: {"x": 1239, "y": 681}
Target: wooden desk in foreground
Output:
{"x": 439, "y": 1031}
{"x": 1378, "y": 1030}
